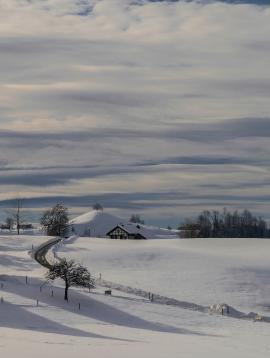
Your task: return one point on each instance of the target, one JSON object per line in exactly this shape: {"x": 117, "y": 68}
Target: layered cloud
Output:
{"x": 165, "y": 99}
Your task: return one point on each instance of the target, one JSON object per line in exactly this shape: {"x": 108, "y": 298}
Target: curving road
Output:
{"x": 40, "y": 253}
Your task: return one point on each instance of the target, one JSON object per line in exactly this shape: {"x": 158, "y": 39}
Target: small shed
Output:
{"x": 120, "y": 232}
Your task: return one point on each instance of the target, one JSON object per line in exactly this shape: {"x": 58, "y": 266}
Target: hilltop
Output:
{"x": 97, "y": 223}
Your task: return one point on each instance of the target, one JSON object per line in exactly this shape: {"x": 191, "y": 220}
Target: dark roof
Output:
{"x": 120, "y": 227}
{"x": 131, "y": 230}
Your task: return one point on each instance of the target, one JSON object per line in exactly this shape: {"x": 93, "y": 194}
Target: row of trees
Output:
{"x": 54, "y": 220}
{"x": 225, "y": 224}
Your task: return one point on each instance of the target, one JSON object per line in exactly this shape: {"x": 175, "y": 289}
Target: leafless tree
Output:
{"x": 16, "y": 214}
{"x": 136, "y": 219}
{"x": 55, "y": 220}
{"x": 9, "y": 222}
{"x": 98, "y": 207}
{"x": 72, "y": 274}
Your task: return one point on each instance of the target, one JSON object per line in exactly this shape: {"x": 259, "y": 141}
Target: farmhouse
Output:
{"x": 124, "y": 232}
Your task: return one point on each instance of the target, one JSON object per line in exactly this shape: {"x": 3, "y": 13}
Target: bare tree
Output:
{"x": 9, "y": 222}
{"x": 98, "y": 207}
{"x": 55, "y": 220}
{"x": 189, "y": 229}
{"x": 15, "y": 214}
{"x": 227, "y": 224}
{"x": 72, "y": 274}
{"x": 136, "y": 219}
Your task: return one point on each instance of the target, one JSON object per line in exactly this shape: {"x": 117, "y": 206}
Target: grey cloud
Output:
{"x": 52, "y": 178}
{"x": 208, "y": 131}
{"x": 131, "y": 99}
{"x": 47, "y": 176}
{"x": 153, "y": 90}
{"x": 243, "y": 185}
{"x": 132, "y": 200}
{"x": 203, "y": 160}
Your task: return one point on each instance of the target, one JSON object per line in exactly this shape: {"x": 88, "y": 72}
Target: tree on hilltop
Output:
{"x": 98, "y": 207}
{"x": 136, "y": 219}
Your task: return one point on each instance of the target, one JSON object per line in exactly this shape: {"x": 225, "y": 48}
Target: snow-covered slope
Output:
{"x": 201, "y": 271}
{"x": 14, "y": 254}
{"x": 98, "y": 223}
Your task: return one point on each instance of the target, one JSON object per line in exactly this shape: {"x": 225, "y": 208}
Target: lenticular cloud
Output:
{"x": 117, "y": 96}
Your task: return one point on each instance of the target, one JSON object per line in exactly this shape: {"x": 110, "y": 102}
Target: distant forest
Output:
{"x": 225, "y": 224}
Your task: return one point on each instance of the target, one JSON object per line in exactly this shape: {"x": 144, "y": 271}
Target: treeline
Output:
{"x": 225, "y": 224}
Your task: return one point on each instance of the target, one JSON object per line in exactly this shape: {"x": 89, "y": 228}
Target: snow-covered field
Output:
{"x": 204, "y": 271}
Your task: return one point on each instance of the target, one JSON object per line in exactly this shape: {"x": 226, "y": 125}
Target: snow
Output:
{"x": 206, "y": 272}
{"x": 97, "y": 223}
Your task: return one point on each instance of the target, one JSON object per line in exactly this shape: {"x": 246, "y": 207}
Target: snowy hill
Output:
{"x": 98, "y": 223}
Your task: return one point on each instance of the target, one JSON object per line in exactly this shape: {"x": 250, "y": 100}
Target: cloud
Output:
{"x": 165, "y": 99}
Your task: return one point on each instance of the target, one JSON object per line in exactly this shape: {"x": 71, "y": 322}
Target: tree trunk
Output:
{"x": 18, "y": 216}
{"x": 66, "y": 292}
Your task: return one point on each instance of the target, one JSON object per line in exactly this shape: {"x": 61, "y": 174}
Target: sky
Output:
{"x": 159, "y": 108}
